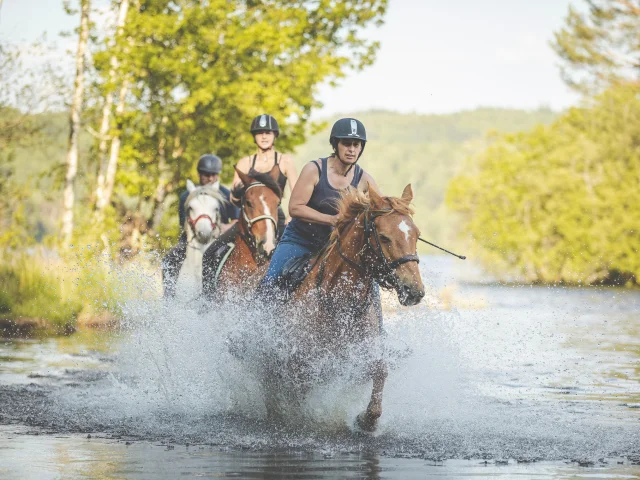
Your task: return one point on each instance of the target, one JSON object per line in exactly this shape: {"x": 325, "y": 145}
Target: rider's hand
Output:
{"x": 333, "y": 220}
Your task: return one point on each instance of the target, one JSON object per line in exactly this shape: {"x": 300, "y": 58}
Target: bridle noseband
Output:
{"x": 383, "y": 271}
{"x": 249, "y": 237}
{"x": 204, "y": 215}
{"x": 193, "y": 222}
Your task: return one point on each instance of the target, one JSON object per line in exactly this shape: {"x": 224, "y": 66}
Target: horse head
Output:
{"x": 261, "y": 197}
{"x": 203, "y": 207}
{"x": 392, "y": 237}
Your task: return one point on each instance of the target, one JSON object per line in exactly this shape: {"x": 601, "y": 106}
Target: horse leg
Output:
{"x": 368, "y": 420}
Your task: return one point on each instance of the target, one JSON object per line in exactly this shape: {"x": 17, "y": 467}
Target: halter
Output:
{"x": 383, "y": 271}
{"x": 251, "y": 239}
{"x": 204, "y": 215}
{"x": 193, "y": 222}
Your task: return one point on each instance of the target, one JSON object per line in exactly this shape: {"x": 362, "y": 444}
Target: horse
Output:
{"x": 202, "y": 226}
{"x": 255, "y": 237}
{"x": 331, "y": 309}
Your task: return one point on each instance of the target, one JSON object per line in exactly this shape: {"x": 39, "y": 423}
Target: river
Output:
{"x": 487, "y": 380}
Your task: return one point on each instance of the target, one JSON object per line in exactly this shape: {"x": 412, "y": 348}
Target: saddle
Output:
{"x": 295, "y": 271}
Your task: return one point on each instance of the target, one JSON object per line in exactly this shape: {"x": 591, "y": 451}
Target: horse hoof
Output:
{"x": 366, "y": 423}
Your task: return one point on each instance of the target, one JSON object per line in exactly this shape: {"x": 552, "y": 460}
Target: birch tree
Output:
{"x": 74, "y": 125}
{"x": 106, "y": 173}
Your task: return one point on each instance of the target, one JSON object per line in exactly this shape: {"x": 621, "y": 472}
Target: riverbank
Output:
{"x": 44, "y": 293}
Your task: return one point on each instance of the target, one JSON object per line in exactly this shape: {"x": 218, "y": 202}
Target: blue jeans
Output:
{"x": 291, "y": 245}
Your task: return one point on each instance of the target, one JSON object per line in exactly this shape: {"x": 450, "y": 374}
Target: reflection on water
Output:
{"x": 522, "y": 378}
{"x": 77, "y": 457}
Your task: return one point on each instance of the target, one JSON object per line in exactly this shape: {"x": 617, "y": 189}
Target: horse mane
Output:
{"x": 354, "y": 202}
{"x": 264, "y": 178}
{"x": 206, "y": 190}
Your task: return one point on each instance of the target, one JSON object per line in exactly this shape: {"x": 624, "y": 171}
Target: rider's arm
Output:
{"x": 243, "y": 166}
{"x": 289, "y": 169}
{"x": 309, "y": 177}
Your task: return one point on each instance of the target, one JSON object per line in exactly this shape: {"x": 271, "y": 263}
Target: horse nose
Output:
{"x": 410, "y": 295}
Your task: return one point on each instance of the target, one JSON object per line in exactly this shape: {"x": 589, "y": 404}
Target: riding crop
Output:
{"x": 461, "y": 257}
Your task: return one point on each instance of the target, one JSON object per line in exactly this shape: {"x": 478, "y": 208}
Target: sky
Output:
{"x": 435, "y": 57}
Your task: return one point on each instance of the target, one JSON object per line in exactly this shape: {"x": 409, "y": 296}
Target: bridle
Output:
{"x": 383, "y": 270}
{"x": 249, "y": 237}
{"x": 193, "y": 222}
{"x": 204, "y": 215}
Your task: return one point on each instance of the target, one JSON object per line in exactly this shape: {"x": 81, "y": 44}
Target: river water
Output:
{"x": 487, "y": 380}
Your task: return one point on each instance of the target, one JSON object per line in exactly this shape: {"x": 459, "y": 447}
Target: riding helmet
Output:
{"x": 265, "y": 122}
{"x": 348, "y": 128}
{"x": 210, "y": 164}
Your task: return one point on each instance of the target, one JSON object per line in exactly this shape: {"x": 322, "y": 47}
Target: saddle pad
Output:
{"x": 212, "y": 264}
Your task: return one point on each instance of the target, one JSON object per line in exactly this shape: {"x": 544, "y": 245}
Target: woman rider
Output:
{"x": 312, "y": 202}
{"x": 265, "y": 130}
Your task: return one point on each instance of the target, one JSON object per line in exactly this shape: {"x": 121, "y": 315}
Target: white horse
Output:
{"x": 202, "y": 225}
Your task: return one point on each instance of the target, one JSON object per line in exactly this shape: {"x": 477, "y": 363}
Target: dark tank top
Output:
{"x": 323, "y": 199}
{"x": 282, "y": 179}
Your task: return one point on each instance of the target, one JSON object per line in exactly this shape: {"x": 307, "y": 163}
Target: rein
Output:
{"x": 383, "y": 271}
{"x": 249, "y": 237}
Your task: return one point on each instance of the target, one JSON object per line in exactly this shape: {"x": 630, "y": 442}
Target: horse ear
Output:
{"x": 243, "y": 176}
{"x": 190, "y": 186}
{"x": 376, "y": 199}
{"x": 275, "y": 172}
{"x": 407, "y": 193}
{"x": 215, "y": 185}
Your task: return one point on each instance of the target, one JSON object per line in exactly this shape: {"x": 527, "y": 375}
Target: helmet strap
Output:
{"x": 351, "y": 165}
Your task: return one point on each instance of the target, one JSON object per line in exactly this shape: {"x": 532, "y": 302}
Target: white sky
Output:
{"x": 436, "y": 56}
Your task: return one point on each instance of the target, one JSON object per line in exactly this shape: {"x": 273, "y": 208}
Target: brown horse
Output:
{"x": 257, "y": 231}
{"x": 374, "y": 241}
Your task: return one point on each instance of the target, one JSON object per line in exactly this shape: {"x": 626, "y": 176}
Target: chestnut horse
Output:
{"x": 257, "y": 231}
{"x": 374, "y": 241}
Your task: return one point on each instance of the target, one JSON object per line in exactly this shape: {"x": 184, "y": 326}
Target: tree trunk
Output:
{"x": 115, "y": 152}
{"x": 164, "y": 182}
{"x": 74, "y": 124}
{"x": 106, "y": 112}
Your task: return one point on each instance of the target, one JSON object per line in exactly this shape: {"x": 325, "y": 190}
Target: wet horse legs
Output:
{"x": 368, "y": 420}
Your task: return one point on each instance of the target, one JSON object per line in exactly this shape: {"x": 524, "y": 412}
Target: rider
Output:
{"x": 209, "y": 168}
{"x": 265, "y": 130}
{"x": 312, "y": 204}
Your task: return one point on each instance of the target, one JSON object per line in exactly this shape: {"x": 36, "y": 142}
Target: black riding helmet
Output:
{"x": 347, "y": 128}
{"x": 210, "y": 164}
{"x": 264, "y": 122}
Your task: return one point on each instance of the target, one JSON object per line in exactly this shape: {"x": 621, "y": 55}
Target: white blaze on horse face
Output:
{"x": 405, "y": 228}
{"x": 210, "y": 208}
{"x": 270, "y": 240}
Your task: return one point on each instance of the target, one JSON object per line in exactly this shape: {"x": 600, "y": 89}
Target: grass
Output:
{"x": 52, "y": 292}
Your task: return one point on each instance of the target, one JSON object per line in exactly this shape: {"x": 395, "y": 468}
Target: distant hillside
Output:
{"x": 426, "y": 151}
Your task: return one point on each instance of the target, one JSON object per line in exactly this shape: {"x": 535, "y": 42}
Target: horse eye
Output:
{"x": 385, "y": 239}
{"x": 249, "y": 204}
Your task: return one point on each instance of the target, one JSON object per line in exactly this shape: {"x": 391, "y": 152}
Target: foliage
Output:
{"x": 37, "y": 283}
{"x": 558, "y": 203}
{"x": 426, "y": 151}
{"x": 601, "y": 47}
{"x": 199, "y": 71}
{"x": 33, "y": 288}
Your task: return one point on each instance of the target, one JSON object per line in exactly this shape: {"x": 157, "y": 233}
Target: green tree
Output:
{"x": 600, "y": 47}
{"x": 199, "y": 71}
{"x": 557, "y": 204}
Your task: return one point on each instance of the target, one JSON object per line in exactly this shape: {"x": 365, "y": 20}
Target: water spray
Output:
{"x": 461, "y": 257}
